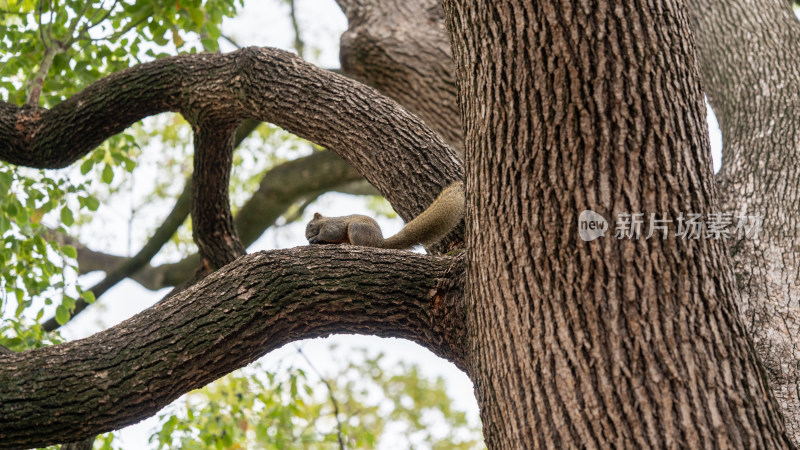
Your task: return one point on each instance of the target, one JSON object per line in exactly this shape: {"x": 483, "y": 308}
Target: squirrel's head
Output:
{"x": 312, "y": 229}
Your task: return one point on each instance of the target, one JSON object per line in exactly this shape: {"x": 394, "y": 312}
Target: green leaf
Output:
{"x": 210, "y": 45}
{"x": 86, "y": 166}
{"x": 88, "y": 296}
{"x": 197, "y": 16}
{"x": 69, "y": 251}
{"x": 11, "y": 208}
{"x": 62, "y": 315}
{"x": 108, "y": 174}
{"x": 92, "y": 203}
{"x": 5, "y": 181}
{"x": 41, "y": 245}
{"x": 68, "y": 302}
{"x": 66, "y": 216}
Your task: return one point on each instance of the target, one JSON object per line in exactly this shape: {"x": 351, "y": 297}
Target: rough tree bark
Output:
{"x": 269, "y": 85}
{"x": 212, "y": 221}
{"x": 331, "y": 110}
{"x": 401, "y": 48}
{"x": 601, "y": 344}
{"x": 747, "y": 58}
{"x": 611, "y": 343}
{"x": 258, "y": 303}
{"x": 751, "y": 71}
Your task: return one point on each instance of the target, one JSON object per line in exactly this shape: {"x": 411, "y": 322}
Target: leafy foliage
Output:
{"x": 83, "y": 41}
{"x": 32, "y": 263}
{"x": 265, "y": 411}
{"x": 58, "y": 48}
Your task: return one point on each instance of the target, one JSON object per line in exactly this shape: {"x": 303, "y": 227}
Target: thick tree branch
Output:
{"x": 125, "y": 267}
{"x": 394, "y": 150}
{"x": 751, "y": 68}
{"x": 212, "y": 220}
{"x": 256, "y": 304}
{"x": 86, "y": 444}
{"x": 402, "y": 49}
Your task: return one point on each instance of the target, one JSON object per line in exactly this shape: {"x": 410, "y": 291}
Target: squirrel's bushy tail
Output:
{"x": 435, "y": 222}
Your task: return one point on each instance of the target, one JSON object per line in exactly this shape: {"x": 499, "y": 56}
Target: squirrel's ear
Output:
{"x": 317, "y": 216}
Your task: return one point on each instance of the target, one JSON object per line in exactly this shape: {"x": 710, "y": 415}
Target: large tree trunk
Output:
{"x": 749, "y": 62}
{"x": 611, "y": 343}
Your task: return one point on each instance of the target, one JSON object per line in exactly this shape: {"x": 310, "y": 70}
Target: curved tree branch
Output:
{"x": 394, "y": 150}
{"x": 125, "y": 267}
{"x": 249, "y": 307}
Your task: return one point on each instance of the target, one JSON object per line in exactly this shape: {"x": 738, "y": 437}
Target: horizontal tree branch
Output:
{"x": 255, "y": 304}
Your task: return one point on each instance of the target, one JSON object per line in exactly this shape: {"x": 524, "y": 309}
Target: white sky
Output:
{"x": 265, "y": 23}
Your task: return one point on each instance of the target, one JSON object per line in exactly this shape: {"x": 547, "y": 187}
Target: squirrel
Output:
{"x": 427, "y": 228}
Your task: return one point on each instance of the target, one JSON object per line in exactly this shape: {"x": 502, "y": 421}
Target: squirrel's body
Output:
{"x": 427, "y": 228}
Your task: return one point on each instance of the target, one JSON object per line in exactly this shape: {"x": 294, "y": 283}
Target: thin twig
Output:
{"x": 330, "y": 395}
{"x": 229, "y": 39}
{"x": 114, "y": 36}
{"x": 105, "y": 16}
{"x": 94, "y": 21}
{"x": 74, "y": 26}
{"x": 51, "y": 49}
{"x": 299, "y": 45}
{"x": 39, "y": 13}
{"x": 37, "y": 83}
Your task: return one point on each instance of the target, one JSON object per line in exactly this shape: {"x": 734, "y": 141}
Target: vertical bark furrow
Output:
{"x": 634, "y": 343}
